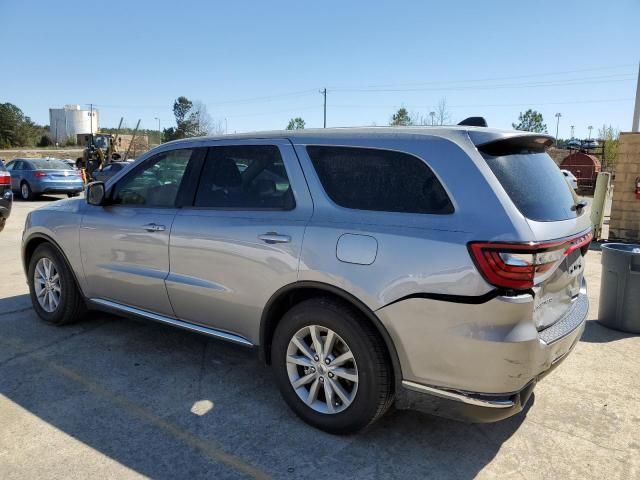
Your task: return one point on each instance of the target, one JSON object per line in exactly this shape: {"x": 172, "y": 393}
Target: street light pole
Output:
{"x": 433, "y": 116}
{"x": 572, "y": 127}
{"x": 558, "y": 115}
{"x": 159, "y": 131}
{"x": 590, "y": 127}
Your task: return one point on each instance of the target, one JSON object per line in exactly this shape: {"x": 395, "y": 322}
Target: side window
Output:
{"x": 155, "y": 183}
{"x": 251, "y": 177}
{"x": 381, "y": 180}
{"x": 11, "y": 166}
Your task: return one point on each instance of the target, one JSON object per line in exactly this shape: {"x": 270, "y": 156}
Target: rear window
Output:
{"x": 535, "y": 184}
{"x": 381, "y": 180}
{"x": 50, "y": 164}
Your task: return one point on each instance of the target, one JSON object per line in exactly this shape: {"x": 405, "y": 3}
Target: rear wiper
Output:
{"x": 579, "y": 205}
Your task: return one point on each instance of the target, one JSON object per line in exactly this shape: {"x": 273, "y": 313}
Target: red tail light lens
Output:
{"x": 521, "y": 266}
{"x": 5, "y": 178}
{"x": 39, "y": 174}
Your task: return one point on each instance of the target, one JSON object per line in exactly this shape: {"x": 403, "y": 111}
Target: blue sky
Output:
{"x": 257, "y": 64}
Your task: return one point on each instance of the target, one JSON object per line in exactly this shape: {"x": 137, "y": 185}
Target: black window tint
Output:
{"x": 155, "y": 183}
{"x": 535, "y": 184}
{"x": 245, "y": 177}
{"x": 382, "y": 180}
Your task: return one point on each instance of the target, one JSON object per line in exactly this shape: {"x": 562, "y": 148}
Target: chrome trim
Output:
{"x": 212, "y": 332}
{"x": 524, "y": 298}
{"x": 457, "y": 396}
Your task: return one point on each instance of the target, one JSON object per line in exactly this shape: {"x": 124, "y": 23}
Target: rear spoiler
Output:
{"x": 526, "y": 143}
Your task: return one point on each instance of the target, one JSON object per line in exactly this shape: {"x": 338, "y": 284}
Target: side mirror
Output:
{"x": 95, "y": 194}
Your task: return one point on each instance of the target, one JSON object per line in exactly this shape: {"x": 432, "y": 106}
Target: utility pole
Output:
{"x": 91, "y": 120}
{"x": 324, "y": 94}
{"x": 572, "y": 127}
{"x": 635, "y": 127}
{"x": 590, "y": 127}
{"x": 433, "y": 116}
{"x": 558, "y": 115}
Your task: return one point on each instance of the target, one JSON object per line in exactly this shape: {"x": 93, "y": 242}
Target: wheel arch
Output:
{"x": 37, "y": 239}
{"x": 289, "y": 295}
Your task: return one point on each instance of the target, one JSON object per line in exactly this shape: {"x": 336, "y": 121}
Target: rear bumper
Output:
{"x": 58, "y": 188}
{"x": 476, "y": 362}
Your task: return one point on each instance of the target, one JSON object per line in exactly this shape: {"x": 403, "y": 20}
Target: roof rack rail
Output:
{"x": 474, "y": 122}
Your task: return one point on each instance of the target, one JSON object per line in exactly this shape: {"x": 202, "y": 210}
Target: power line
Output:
{"x": 571, "y": 102}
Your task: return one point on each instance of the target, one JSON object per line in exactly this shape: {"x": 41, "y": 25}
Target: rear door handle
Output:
{"x": 152, "y": 227}
{"x": 273, "y": 237}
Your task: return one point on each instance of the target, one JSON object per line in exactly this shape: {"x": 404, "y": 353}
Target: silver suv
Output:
{"x": 439, "y": 269}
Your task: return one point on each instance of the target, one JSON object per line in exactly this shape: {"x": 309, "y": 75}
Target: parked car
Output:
{"x": 574, "y": 143}
{"x": 34, "y": 176}
{"x": 571, "y": 179}
{"x": 6, "y": 196}
{"x": 590, "y": 144}
{"x": 109, "y": 171}
{"x": 360, "y": 264}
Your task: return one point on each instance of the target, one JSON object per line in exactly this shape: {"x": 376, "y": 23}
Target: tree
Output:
{"x": 401, "y": 118}
{"x": 296, "y": 124}
{"x": 443, "y": 116}
{"x": 192, "y": 120}
{"x": 530, "y": 121}
{"x": 609, "y": 137}
{"x": 16, "y": 129}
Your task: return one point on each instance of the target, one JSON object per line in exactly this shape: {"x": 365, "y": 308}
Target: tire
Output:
{"x": 25, "y": 191}
{"x": 373, "y": 394}
{"x": 70, "y": 306}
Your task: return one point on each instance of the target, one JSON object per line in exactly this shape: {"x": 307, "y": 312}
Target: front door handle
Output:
{"x": 152, "y": 227}
{"x": 273, "y": 237}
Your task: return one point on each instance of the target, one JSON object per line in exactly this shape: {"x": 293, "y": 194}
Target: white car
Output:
{"x": 571, "y": 179}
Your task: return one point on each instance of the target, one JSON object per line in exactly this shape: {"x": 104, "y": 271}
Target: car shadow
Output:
{"x": 595, "y": 332}
{"x": 167, "y": 403}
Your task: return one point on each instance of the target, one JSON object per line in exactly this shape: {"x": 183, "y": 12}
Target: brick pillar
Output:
{"x": 625, "y": 208}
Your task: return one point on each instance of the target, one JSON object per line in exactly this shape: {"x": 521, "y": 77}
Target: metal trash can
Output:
{"x": 620, "y": 287}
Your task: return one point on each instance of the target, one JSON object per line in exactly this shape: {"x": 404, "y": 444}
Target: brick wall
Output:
{"x": 625, "y": 209}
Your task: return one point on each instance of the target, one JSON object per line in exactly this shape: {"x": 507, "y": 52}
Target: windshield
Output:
{"x": 100, "y": 141}
{"x": 535, "y": 184}
{"x": 50, "y": 164}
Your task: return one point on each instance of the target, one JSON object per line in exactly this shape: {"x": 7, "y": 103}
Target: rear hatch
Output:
{"x": 551, "y": 264}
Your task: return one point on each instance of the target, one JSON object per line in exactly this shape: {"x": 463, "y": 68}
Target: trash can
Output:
{"x": 620, "y": 287}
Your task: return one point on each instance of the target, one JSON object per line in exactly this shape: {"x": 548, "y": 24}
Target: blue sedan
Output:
{"x": 34, "y": 176}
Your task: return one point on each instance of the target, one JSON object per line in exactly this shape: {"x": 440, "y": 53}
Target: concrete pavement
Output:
{"x": 116, "y": 398}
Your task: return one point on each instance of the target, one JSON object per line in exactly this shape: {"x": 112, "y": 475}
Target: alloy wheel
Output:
{"x": 322, "y": 369}
{"x": 46, "y": 281}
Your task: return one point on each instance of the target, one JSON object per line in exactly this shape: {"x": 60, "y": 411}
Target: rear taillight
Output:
{"x": 39, "y": 174}
{"x": 5, "y": 178}
{"x": 521, "y": 266}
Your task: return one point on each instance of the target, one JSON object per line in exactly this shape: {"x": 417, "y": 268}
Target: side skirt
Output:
{"x": 114, "y": 307}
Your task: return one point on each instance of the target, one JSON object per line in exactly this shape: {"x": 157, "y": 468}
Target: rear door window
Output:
{"x": 379, "y": 180}
{"x": 535, "y": 184}
{"x": 245, "y": 177}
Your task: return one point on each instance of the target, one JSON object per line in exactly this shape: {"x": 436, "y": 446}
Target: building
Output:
{"x": 66, "y": 123}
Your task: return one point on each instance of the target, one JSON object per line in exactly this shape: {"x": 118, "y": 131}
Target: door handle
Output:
{"x": 152, "y": 227}
{"x": 273, "y": 237}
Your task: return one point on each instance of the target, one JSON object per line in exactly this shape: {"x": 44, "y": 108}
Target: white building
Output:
{"x": 69, "y": 121}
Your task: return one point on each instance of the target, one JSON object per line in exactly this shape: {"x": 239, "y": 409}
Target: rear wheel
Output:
{"x": 25, "y": 191}
{"x": 331, "y": 366}
{"x": 54, "y": 294}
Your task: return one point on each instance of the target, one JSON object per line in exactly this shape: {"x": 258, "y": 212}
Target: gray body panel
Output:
{"x": 210, "y": 268}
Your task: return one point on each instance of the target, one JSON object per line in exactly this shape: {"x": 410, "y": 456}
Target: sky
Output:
{"x": 257, "y": 64}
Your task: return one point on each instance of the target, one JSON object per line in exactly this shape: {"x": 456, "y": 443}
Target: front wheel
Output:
{"x": 54, "y": 294}
{"x": 331, "y": 366}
